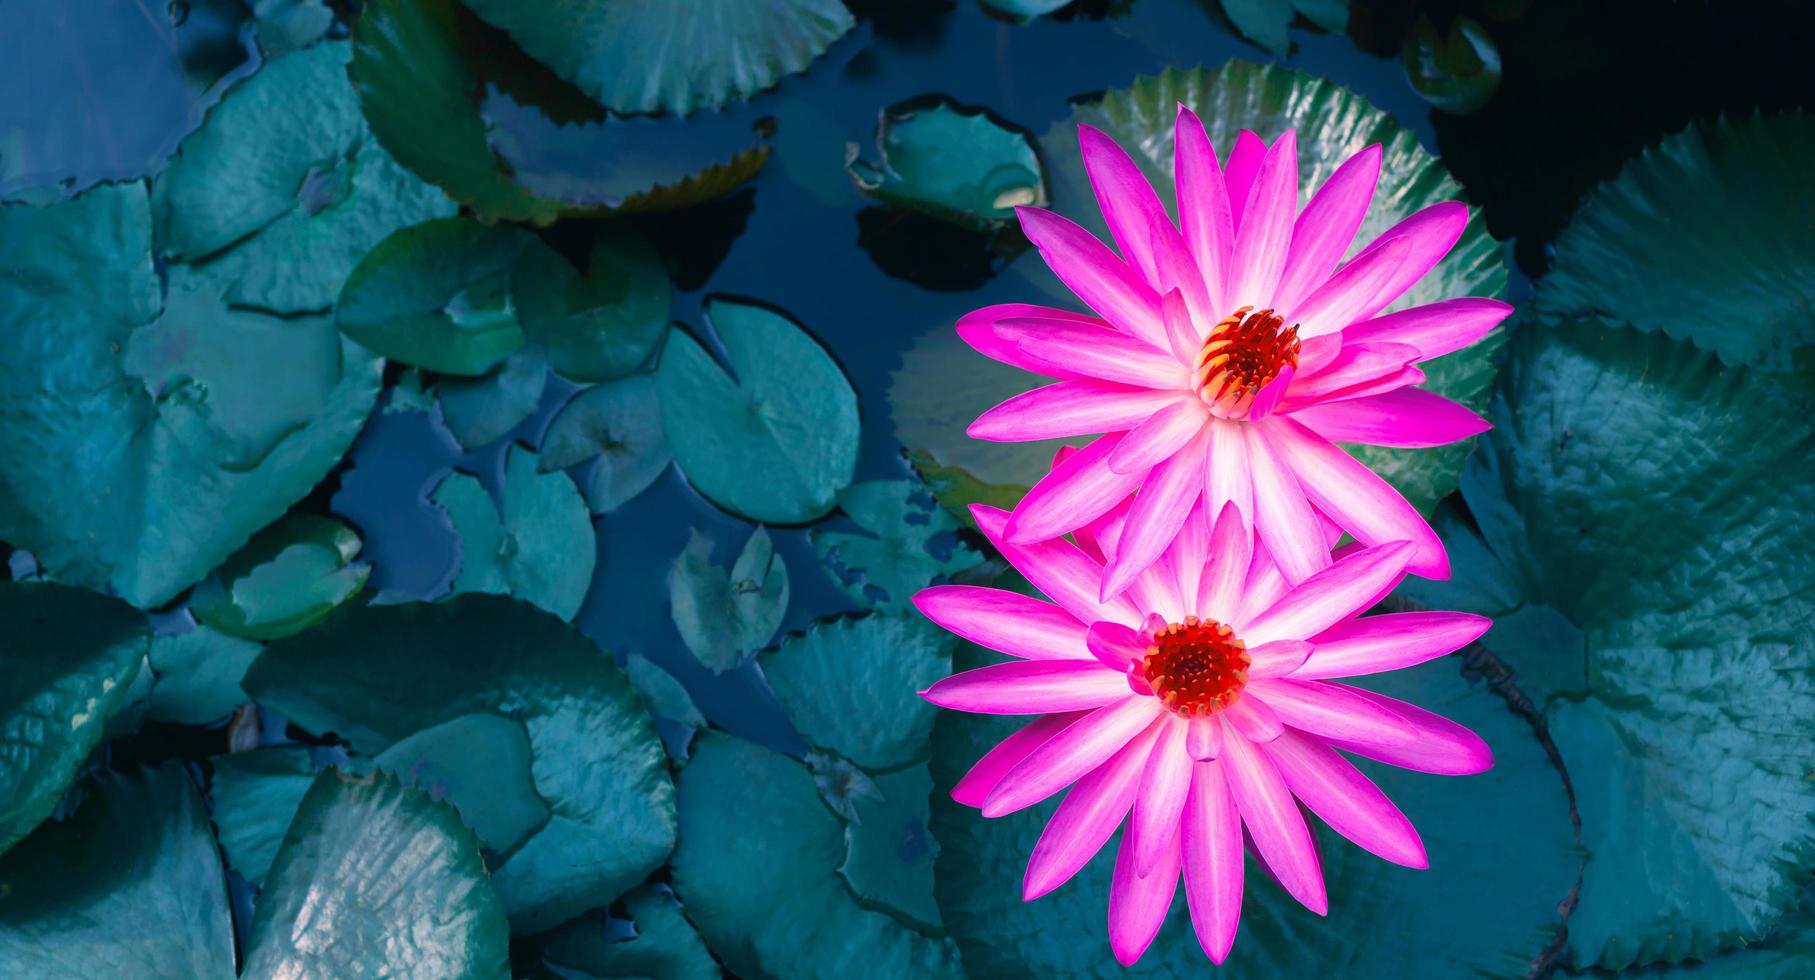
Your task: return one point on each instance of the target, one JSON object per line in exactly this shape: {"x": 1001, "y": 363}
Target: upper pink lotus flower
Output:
{"x": 1201, "y": 700}
{"x": 1228, "y": 352}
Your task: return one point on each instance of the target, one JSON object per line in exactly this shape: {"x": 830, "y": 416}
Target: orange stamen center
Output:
{"x": 1242, "y": 354}
{"x": 1197, "y": 667}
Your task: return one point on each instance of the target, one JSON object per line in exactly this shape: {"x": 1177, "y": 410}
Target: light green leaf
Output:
{"x": 480, "y": 411}
{"x": 69, "y": 659}
{"x": 285, "y": 25}
{"x": 538, "y": 547}
{"x": 911, "y": 543}
{"x": 289, "y": 576}
{"x": 889, "y": 848}
{"x": 851, "y": 685}
{"x": 600, "y": 325}
{"x": 197, "y": 676}
{"x": 725, "y": 618}
{"x": 777, "y": 443}
{"x": 255, "y": 796}
{"x": 480, "y": 764}
{"x": 619, "y": 424}
{"x": 954, "y": 163}
{"x": 665, "y": 945}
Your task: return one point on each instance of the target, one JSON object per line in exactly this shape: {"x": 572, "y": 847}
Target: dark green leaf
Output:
{"x": 889, "y": 848}
{"x": 600, "y": 325}
{"x": 538, "y": 546}
{"x": 1262, "y": 21}
{"x": 725, "y": 618}
{"x": 255, "y": 796}
{"x": 480, "y": 764}
{"x": 911, "y": 542}
{"x": 958, "y": 164}
{"x": 665, "y": 944}
{"x": 850, "y": 685}
{"x": 197, "y": 675}
{"x": 1457, "y": 72}
{"x": 289, "y": 576}
{"x": 619, "y": 424}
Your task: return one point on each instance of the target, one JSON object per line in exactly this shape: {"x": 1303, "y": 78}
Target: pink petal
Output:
{"x": 978, "y": 329}
{"x": 1203, "y": 738}
{"x": 1327, "y": 226}
{"x": 1278, "y": 658}
{"x": 1127, "y": 200}
{"x": 1009, "y": 622}
{"x": 1107, "y": 355}
{"x": 1356, "y": 498}
{"x": 1316, "y": 353}
{"x": 1346, "y": 800}
{"x": 1435, "y": 328}
{"x": 1441, "y": 746}
{"x": 1352, "y": 293}
{"x": 1083, "y": 822}
{"x": 1330, "y": 596}
{"x": 1138, "y": 903}
{"x": 1189, "y": 553}
{"x": 1282, "y": 516}
{"x": 1373, "y": 644}
{"x": 1162, "y": 798}
{"x": 1184, "y": 301}
{"x": 1355, "y": 366}
{"x": 1071, "y": 408}
{"x": 1426, "y": 237}
{"x": 1273, "y": 820}
{"x": 1332, "y": 710}
{"x": 1181, "y": 329}
{"x": 974, "y": 787}
{"x": 1231, "y": 551}
{"x": 1205, "y": 216}
{"x": 1104, "y": 282}
{"x": 1228, "y": 476}
{"x": 1268, "y": 397}
{"x": 1029, "y": 687}
{"x": 1098, "y": 538}
{"x": 1065, "y": 757}
{"x": 1264, "y": 586}
{"x": 1212, "y": 852}
{"x": 1265, "y": 233}
{"x": 1245, "y": 160}
{"x": 1159, "y": 510}
{"x": 1253, "y": 720}
{"x": 1411, "y": 418}
{"x": 1164, "y": 433}
{"x": 1073, "y": 494}
{"x": 1116, "y": 646}
{"x": 1058, "y": 569}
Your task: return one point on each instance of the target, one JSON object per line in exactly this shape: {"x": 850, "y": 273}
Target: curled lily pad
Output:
{"x": 618, "y": 425}
{"x": 197, "y": 675}
{"x": 290, "y": 575}
{"x": 1709, "y": 236}
{"x": 437, "y": 296}
{"x": 599, "y": 325}
{"x": 480, "y": 411}
{"x": 180, "y": 426}
{"x": 664, "y": 944}
{"x": 375, "y": 675}
{"x": 130, "y": 886}
{"x": 725, "y": 618}
{"x": 282, "y": 189}
{"x": 878, "y": 662}
{"x": 537, "y": 546}
{"x": 777, "y": 443}
{"x": 910, "y": 542}
{"x": 642, "y": 56}
{"x": 71, "y": 657}
{"x": 956, "y": 163}
{"x": 1456, "y": 71}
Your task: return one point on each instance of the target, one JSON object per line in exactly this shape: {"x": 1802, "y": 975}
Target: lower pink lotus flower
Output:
{"x": 1199, "y": 702}
{"x": 1230, "y": 352}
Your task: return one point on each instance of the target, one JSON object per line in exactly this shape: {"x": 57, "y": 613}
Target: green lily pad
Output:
{"x": 480, "y": 411}
{"x": 480, "y": 764}
{"x": 757, "y": 871}
{"x": 889, "y": 848}
{"x": 897, "y": 558}
{"x": 1784, "y": 956}
{"x": 619, "y": 425}
{"x": 130, "y": 886}
{"x": 437, "y": 296}
{"x": 538, "y": 547}
{"x": 180, "y": 429}
{"x": 665, "y": 944}
{"x": 642, "y": 56}
{"x": 955, "y": 163}
{"x": 1025, "y": 8}
{"x": 375, "y": 675}
{"x": 725, "y": 618}
{"x": 851, "y": 685}
{"x": 1501, "y": 848}
{"x": 600, "y": 325}
{"x": 1675, "y": 534}
{"x": 667, "y": 699}
{"x": 71, "y": 657}
{"x": 1709, "y": 236}
{"x": 376, "y": 879}
{"x": 1457, "y": 72}
{"x": 284, "y": 184}
{"x": 286, "y": 25}
{"x": 777, "y": 443}
{"x": 197, "y": 676}
{"x": 255, "y": 795}
{"x": 288, "y": 577}
{"x": 1265, "y": 21}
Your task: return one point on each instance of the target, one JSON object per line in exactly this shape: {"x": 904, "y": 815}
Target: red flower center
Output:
{"x": 1196, "y": 667}
{"x": 1241, "y": 355}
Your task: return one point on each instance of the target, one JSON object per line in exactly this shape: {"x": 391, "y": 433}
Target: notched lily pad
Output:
{"x": 480, "y": 764}
{"x": 538, "y": 545}
{"x": 288, "y": 577}
{"x": 889, "y": 848}
{"x": 724, "y": 618}
{"x": 911, "y": 542}
{"x": 958, "y": 163}
{"x": 600, "y": 324}
{"x": 617, "y": 425}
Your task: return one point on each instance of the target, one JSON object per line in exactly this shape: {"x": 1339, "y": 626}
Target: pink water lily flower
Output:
{"x": 1201, "y": 701}
{"x": 1229, "y": 354}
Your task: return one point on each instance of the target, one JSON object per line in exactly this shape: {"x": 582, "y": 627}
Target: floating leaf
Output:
{"x": 638, "y": 56}
{"x": 889, "y": 848}
{"x": 665, "y": 944}
{"x": 375, "y": 675}
{"x": 1501, "y": 848}
{"x": 1262, "y": 21}
{"x": 376, "y": 879}
{"x": 1025, "y": 8}
{"x": 284, "y": 184}
{"x": 286, "y": 25}
{"x": 1709, "y": 236}
{"x": 480, "y": 764}
{"x": 179, "y": 431}
{"x": 600, "y": 325}
{"x": 480, "y": 411}
{"x": 538, "y": 546}
{"x": 619, "y": 424}
{"x": 71, "y": 658}
{"x": 197, "y": 675}
{"x": 1661, "y": 504}
{"x": 911, "y": 542}
{"x": 757, "y": 870}
{"x": 1456, "y": 72}
{"x": 668, "y": 700}
{"x": 850, "y": 685}
{"x": 289, "y": 576}
{"x": 725, "y": 618}
{"x": 437, "y": 296}
{"x": 954, "y": 162}
{"x": 130, "y": 886}
{"x": 777, "y": 443}
{"x": 255, "y": 796}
